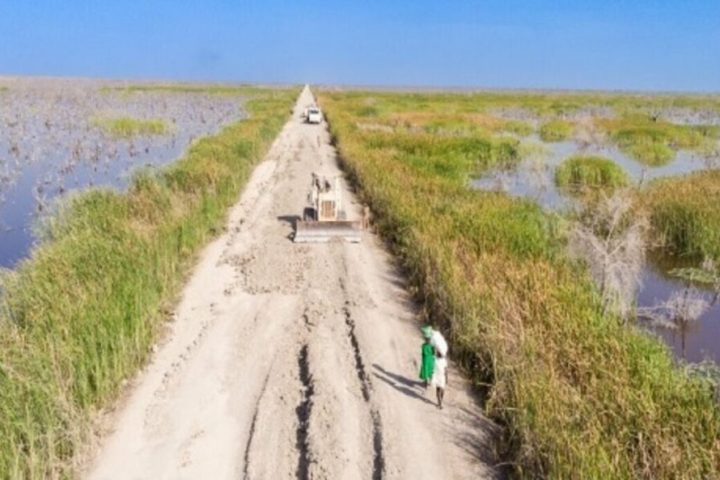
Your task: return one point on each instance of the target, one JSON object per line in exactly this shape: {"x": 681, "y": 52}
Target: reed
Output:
{"x": 684, "y": 213}
{"x": 654, "y": 142}
{"x": 581, "y": 395}
{"x": 556, "y": 131}
{"x": 581, "y": 172}
{"x": 128, "y": 127}
{"x": 80, "y": 315}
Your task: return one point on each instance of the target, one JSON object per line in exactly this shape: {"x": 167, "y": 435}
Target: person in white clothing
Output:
{"x": 439, "y": 343}
{"x": 440, "y": 374}
{"x": 439, "y": 379}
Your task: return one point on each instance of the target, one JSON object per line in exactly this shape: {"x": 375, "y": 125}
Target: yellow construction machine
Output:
{"x": 324, "y": 218}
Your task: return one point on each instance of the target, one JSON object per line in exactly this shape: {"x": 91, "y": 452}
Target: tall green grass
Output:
{"x": 685, "y": 213}
{"x": 128, "y": 127}
{"x": 547, "y": 105}
{"x": 79, "y": 316}
{"x": 556, "y": 131}
{"x": 579, "y": 172}
{"x": 654, "y": 142}
{"x": 581, "y": 395}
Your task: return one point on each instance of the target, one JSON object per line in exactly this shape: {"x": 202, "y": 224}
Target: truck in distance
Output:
{"x": 314, "y": 115}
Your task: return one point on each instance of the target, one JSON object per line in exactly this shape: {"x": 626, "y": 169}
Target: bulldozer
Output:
{"x": 324, "y": 218}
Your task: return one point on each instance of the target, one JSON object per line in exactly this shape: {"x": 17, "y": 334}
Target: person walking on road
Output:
{"x": 439, "y": 379}
{"x": 439, "y": 372}
{"x": 427, "y": 364}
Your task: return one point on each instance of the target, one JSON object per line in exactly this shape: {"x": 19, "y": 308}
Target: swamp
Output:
{"x": 60, "y": 136}
{"x": 569, "y": 242}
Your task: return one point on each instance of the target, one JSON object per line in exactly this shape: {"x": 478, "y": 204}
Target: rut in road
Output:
{"x": 292, "y": 361}
{"x": 378, "y": 460}
{"x": 303, "y": 412}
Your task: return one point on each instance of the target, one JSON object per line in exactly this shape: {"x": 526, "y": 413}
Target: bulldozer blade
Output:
{"x": 318, "y": 232}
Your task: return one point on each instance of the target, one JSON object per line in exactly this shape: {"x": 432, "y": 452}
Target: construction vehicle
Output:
{"x": 324, "y": 218}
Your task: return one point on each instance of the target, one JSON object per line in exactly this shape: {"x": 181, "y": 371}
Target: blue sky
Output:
{"x": 610, "y": 44}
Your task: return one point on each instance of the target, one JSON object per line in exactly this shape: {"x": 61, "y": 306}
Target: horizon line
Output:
{"x": 396, "y": 87}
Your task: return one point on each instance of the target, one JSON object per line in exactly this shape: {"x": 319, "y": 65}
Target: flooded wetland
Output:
{"x": 568, "y": 245}
{"x": 534, "y": 177}
{"x": 202, "y": 277}
{"x": 62, "y": 136}
{"x": 568, "y": 242}
{"x": 567, "y": 153}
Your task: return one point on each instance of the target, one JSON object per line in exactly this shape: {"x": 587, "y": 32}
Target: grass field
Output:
{"x": 79, "y": 316}
{"x": 581, "y": 394}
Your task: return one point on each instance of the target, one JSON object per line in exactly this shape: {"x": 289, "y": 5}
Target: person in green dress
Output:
{"x": 427, "y": 365}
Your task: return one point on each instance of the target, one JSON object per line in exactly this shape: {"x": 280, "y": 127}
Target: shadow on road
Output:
{"x": 289, "y": 219}
{"x": 480, "y": 441}
{"x": 400, "y": 383}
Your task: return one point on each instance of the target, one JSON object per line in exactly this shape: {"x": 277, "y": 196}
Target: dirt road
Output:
{"x": 292, "y": 361}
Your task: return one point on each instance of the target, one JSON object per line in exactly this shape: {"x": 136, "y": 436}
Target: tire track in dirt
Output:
{"x": 291, "y": 361}
{"x": 251, "y": 433}
{"x": 377, "y": 439}
{"x": 304, "y": 412}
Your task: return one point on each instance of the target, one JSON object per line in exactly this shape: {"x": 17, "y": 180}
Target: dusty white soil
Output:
{"x": 292, "y": 361}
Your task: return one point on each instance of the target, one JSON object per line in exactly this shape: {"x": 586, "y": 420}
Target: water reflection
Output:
{"x": 534, "y": 178}
{"x": 693, "y": 341}
{"x": 50, "y": 144}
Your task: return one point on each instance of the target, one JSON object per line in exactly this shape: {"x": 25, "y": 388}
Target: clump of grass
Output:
{"x": 581, "y": 395}
{"x": 684, "y": 213}
{"x": 651, "y": 154}
{"x": 128, "y": 127}
{"x": 532, "y": 149}
{"x": 654, "y": 142}
{"x": 580, "y": 172}
{"x": 556, "y": 131}
{"x": 79, "y": 316}
{"x": 519, "y": 128}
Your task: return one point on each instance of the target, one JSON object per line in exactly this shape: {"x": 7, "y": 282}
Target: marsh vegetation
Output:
{"x": 556, "y": 131}
{"x": 59, "y": 136}
{"x": 590, "y": 172}
{"x": 128, "y": 127}
{"x": 540, "y": 288}
{"x": 78, "y": 317}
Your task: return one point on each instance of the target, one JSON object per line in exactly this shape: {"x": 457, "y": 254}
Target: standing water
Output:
{"x": 696, "y": 340}
{"x": 52, "y": 143}
{"x": 534, "y": 178}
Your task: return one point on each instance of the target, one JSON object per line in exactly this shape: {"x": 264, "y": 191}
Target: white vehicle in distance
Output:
{"x": 314, "y": 115}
